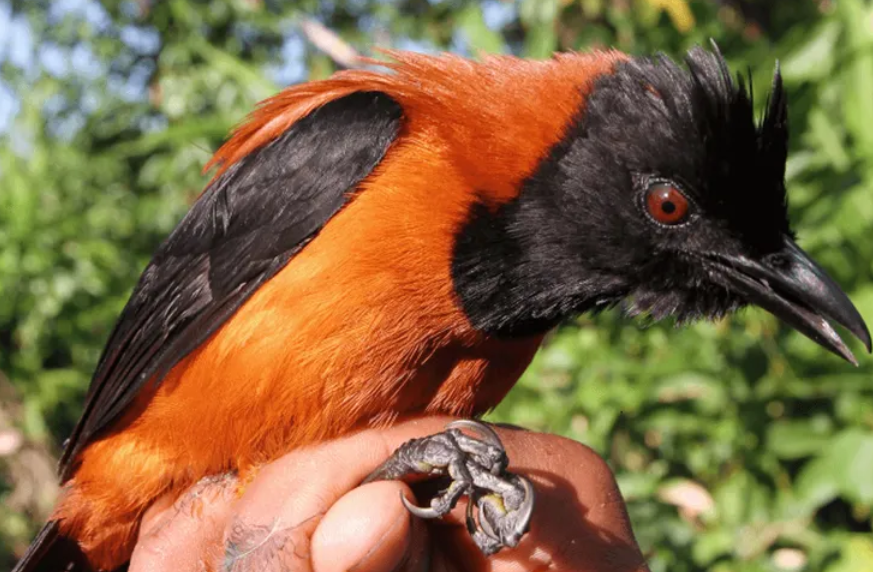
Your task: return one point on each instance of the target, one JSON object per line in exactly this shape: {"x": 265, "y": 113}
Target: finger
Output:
{"x": 367, "y": 530}
{"x": 178, "y": 533}
{"x": 580, "y": 521}
{"x": 284, "y": 504}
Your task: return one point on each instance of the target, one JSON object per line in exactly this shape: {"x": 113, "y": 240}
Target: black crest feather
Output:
{"x": 742, "y": 160}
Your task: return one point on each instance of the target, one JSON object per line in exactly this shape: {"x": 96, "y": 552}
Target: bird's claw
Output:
{"x": 500, "y": 524}
{"x": 440, "y": 505}
{"x": 500, "y": 503}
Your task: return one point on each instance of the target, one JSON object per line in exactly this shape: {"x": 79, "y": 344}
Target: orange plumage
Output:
{"x": 360, "y": 328}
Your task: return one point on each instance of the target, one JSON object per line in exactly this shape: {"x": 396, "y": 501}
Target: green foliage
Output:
{"x": 739, "y": 445}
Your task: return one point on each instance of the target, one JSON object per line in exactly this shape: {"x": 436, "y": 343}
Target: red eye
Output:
{"x": 666, "y": 204}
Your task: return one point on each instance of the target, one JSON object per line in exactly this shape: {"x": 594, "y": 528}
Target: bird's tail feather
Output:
{"x": 52, "y": 552}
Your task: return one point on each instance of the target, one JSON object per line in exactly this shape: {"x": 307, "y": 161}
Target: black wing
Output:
{"x": 247, "y": 225}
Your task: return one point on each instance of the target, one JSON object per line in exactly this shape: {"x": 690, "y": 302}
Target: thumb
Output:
{"x": 369, "y": 530}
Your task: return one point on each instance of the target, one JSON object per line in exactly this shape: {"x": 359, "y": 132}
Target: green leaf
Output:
{"x": 799, "y": 438}
{"x": 858, "y": 87}
{"x": 828, "y": 137}
{"x": 844, "y": 469}
{"x": 479, "y": 36}
{"x": 813, "y": 60}
{"x": 539, "y": 18}
{"x": 855, "y": 556}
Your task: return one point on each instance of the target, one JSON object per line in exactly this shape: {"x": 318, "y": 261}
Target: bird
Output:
{"x": 397, "y": 241}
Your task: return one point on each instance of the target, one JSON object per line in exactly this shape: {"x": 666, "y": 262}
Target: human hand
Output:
{"x": 305, "y": 511}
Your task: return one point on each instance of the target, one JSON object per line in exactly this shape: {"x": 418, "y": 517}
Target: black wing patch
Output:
{"x": 247, "y": 225}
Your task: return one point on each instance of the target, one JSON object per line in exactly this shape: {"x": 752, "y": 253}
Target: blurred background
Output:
{"x": 739, "y": 445}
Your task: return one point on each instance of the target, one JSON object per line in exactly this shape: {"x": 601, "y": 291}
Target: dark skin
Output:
{"x": 333, "y": 524}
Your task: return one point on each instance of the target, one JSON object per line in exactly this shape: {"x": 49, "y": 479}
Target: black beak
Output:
{"x": 795, "y": 289}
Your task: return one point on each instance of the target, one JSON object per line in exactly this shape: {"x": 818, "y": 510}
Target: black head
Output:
{"x": 665, "y": 195}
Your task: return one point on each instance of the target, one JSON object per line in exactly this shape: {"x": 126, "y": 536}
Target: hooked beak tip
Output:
{"x": 797, "y": 290}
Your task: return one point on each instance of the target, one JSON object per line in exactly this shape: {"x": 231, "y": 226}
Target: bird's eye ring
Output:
{"x": 666, "y": 204}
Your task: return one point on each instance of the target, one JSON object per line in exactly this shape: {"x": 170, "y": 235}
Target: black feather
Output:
{"x": 51, "y": 552}
{"x": 245, "y": 227}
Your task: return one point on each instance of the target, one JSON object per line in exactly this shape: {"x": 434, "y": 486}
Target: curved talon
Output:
{"x": 471, "y": 522}
{"x": 525, "y": 511}
{"x": 420, "y": 512}
{"x": 486, "y": 527}
{"x": 482, "y": 525}
{"x": 482, "y": 430}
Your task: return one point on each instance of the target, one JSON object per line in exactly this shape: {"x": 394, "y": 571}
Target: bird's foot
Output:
{"x": 500, "y": 503}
